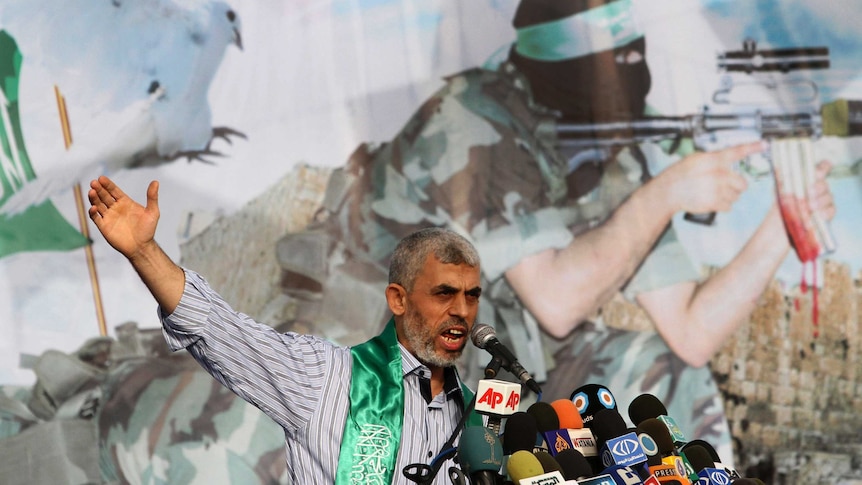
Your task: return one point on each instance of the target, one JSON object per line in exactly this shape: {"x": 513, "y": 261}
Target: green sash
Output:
{"x": 372, "y": 432}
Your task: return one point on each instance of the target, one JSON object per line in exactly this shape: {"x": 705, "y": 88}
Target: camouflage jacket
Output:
{"x": 129, "y": 411}
{"x": 479, "y": 157}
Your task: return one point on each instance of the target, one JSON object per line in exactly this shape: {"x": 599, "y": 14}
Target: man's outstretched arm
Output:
{"x": 248, "y": 357}
{"x": 130, "y": 228}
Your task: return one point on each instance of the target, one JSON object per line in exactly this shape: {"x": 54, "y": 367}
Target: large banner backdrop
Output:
{"x": 296, "y": 142}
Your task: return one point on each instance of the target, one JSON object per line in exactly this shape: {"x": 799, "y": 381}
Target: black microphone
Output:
{"x": 590, "y": 399}
{"x": 485, "y": 337}
{"x": 549, "y": 463}
{"x": 573, "y": 464}
{"x": 714, "y": 454}
{"x": 519, "y": 433}
{"x": 647, "y": 406}
{"x": 704, "y": 466}
{"x": 546, "y": 420}
{"x": 644, "y": 407}
{"x": 545, "y": 414}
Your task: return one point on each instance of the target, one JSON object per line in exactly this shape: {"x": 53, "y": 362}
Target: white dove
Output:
{"x": 136, "y": 75}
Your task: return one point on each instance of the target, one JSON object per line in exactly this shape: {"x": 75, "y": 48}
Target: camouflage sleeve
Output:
{"x": 666, "y": 265}
{"x": 281, "y": 374}
{"x": 528, "y": 234}
{"x": 472, "y": 158}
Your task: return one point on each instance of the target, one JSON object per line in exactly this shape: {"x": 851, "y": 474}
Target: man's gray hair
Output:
{"x": 446, "y": 245}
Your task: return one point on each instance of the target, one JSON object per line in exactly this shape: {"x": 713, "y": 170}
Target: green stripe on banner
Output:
{"x": 41, "y": 227}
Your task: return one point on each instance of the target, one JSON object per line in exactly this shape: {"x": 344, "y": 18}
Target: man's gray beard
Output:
{"x": 417, "y": 334}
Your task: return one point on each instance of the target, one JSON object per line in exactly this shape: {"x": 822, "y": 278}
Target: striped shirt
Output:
{"x": 302, "y": 382}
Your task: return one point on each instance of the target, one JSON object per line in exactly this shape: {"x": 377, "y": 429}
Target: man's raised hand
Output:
{"x": 126, "y": 225}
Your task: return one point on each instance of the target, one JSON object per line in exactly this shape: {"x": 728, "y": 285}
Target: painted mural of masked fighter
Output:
{"x": 560, "y": 233}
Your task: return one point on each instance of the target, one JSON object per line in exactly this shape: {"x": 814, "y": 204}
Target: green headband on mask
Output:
{"x": 607, "y": 27}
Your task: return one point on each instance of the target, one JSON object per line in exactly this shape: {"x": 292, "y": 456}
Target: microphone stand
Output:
{"x": 494, "y": 366}
{"x": 491, "y": 370}
{"x": 424, "y": 474}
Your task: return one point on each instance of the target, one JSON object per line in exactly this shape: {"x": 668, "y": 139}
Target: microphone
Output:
{"x": 705, "y": 445}
{"x": 704, "y": 466}
{"x": 649, "y": 446}
{"x": 526, "y": 469}
{"x": 619, "y": 447}
{"x": 549, "y": 463}
{"x": 644, "y": 407}
{"x": 571, "y": 433}
{"x": 545, "y": 414}
{"x": 622, "y": 456}
{"x": 546, "y": 420}
{"x": 523, "y": 464}
{"x": 519, "y": 433}
{"x": 647, "y": 406}
{"x": 481, "y": 455}
{"x": 497, "y": 399}
{"x": 485, "y": 337}
{"x": 567, "y": 414}
{"x": 671, "y": 467}
{"x": 573, "y": 464}
{"x": 590, "y": 399}
{"x": 713, "y": 454}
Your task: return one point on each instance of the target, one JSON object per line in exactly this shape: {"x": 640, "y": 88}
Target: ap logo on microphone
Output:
{"x": 497, "y": 397}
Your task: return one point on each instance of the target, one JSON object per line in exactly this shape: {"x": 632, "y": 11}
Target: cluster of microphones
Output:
{"x": 583, "y": 440}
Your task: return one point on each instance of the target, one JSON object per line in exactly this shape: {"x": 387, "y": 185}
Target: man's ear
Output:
{"x": 396, "y": 298}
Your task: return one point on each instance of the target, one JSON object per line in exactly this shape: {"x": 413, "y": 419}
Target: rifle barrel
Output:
{"x": 658, "y": 128}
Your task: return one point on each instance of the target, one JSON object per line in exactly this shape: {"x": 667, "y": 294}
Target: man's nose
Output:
{"x": 460, "y": 307}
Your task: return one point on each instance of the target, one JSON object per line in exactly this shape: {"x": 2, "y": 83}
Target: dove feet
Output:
{"x": 219, "y": 132}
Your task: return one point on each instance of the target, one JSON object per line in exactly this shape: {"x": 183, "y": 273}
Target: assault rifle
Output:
{"x": 838, "y": 118}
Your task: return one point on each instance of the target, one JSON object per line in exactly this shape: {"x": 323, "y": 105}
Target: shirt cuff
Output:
{"x": 188, "y": 322}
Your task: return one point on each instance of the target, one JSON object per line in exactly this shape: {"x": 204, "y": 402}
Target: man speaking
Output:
{"x": 350, "y": 415}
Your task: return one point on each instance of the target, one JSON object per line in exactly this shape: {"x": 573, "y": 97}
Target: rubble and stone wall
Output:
{"x": 792, "y": 388}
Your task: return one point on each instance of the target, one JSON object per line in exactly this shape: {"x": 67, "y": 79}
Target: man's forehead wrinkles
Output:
{"x": 437, "y": 276}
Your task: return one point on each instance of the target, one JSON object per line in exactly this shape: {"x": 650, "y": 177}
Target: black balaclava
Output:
{"x": 590, "y": 88}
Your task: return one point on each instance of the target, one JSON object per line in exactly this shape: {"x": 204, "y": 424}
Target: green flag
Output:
{"x": 41, "y": 227}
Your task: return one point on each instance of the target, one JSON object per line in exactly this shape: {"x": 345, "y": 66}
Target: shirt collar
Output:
{"x": 451, "y": 384}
